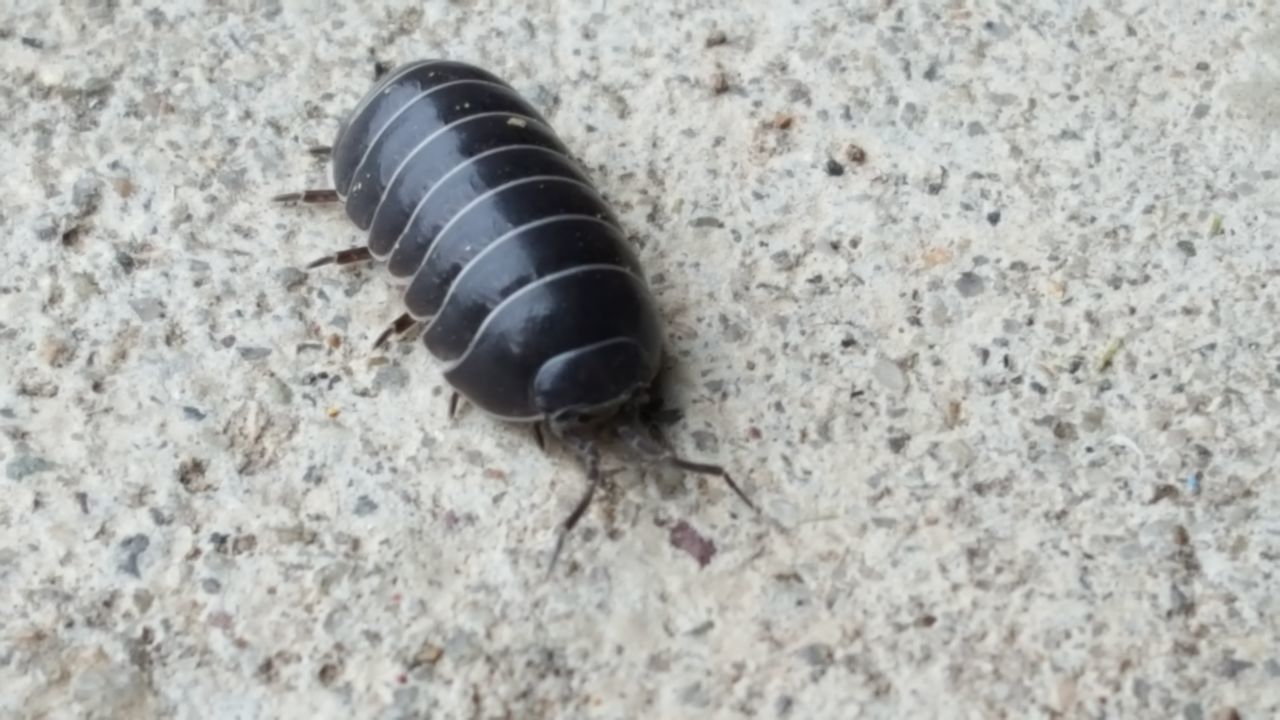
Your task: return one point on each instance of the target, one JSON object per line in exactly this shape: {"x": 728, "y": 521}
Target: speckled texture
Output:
{"x": 978, "y": 300}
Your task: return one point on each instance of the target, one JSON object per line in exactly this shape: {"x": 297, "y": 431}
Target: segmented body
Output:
{"x": 530, "y": 294}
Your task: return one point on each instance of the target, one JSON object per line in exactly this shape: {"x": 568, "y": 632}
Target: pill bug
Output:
{"x": 515, "y": 270}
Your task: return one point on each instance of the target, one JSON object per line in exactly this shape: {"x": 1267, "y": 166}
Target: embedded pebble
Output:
{"x": 147, "y": 308}
{"x": 132, "y": 548}
{"x": 86, "y": 194}
{"x": 290, "y": 278}
{"x": 970, "y": 284}
{"x": 890, "y": 375}
{"x": 26, "y": 465}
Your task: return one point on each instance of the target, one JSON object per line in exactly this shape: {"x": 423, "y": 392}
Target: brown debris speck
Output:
{"x": 684, "y": 537}
{"x": 244, "y": 544}
{"x": 1162, "y": 492}
{"x": 719, "y": 83}
{"x": 855, "y": 154}
{"x": 329, "y": 673}
{"x": 123, "y": 186}
{"x": 428, "y": 654}
{"x": 191, "y": 475}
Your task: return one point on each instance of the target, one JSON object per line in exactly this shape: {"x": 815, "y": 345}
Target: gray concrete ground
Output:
{"x": 977, "y": 299}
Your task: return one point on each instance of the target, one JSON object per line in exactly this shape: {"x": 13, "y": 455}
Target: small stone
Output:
{"x": 46, "y": 228}
{"x": 706, "y": 441}
{"x": 211, "y": 586}
{"x": 720, "y": 83}
{"x": 701, "y": 629}
{"x": 280, "y": 392}
{"x": 290, "y": 278}
{"x": 365, "y": 506}
{"x": 191, "y": 475}
{"x": 959, "y": 453}
{"x": 1200, "y": 111}
{"x": 25, "y": 465}
{"x": 244, "y": 544}
{"x": 133, "y": 547}
{"x": 707, "y": 221}
{"x": 428, "y": 654}
{"x": 696, "y": 695}
{"x": 85, "y": 195}
{"x": 147, "y": 308}
{"x": 390, "y": 376}
{"x": 898, "y": 443}
{"x": 717, "y": 38}
{"x": 1065, "y": 431}
{"x": 463, "y": 648}
{"x": 1187, "y": 247}
{"x": 1232, "y": 667}
{"x": 993, "y": 217}
{"x": 329, "y": 673}
{"x": 889, "y": 374}
{"x": 818, "y": 654}
{"x": 254, "y": 353}
{"x": 970, "y": 284}
{"x": 834, "y": 168}
{"x": 192, "y": 413}
{"x": 783, "y": 260}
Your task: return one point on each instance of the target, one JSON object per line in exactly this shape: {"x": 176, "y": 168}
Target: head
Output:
{"x": 582, "y": 391}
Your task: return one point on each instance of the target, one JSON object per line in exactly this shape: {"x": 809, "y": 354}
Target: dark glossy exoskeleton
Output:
{"x": 522, "y": 279}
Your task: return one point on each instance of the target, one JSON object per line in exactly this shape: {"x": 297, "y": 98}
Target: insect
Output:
{"x": 516, "y": 273}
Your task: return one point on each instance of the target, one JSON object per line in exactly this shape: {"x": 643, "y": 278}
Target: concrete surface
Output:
{"x": 977, "y": 299}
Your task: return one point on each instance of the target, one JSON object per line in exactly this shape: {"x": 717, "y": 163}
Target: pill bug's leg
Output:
{"x": 320, "y": 151}
{"x": 313, "y": 196}
{"x": 657, "y": 415}
{"x": 537, "y": 437}
{"x": 360, "y": 253}
{"x": 399, "y": 326}
{"x": 590, "y": 457}
{"x": 453, "y": 403}
{"x": 640, "y": 441}
{"x": 652, "y": 406}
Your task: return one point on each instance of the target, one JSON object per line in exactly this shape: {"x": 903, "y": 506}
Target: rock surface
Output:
{"x": 977, "y": 300}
